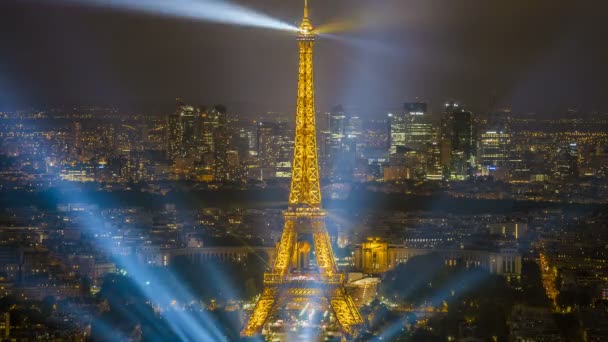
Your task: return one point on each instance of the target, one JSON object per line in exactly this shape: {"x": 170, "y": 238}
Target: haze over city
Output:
{"x": 215, "y": 170}
{"x": 540, "y": 56}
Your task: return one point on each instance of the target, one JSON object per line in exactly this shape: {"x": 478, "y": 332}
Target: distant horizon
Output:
{"x": 248, "y": 109}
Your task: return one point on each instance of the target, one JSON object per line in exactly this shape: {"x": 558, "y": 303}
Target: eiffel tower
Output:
{"x": 292, "y": 279}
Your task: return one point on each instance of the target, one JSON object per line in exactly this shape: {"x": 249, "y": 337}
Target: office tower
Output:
{"x": 433, "y": 170}
{"x": 494, "y": 147}
{"x": 398, "y": 131}
{"x": 5, "y": 325}
{"x": 410, "y": 129}
{"x": 340, "y": 143}
{"x": 173, "y": 137}
{"x": 419, "y": 129}
{"x": 274, "y": 149}
{"x": 241, "y": 142}
{"x": 412, "y": 136}
{"x": 183, "y": 128}
{"x": 458, "y": 138}
{"x": 566, "y": 161}
{"x": 217, "y": 123}
{"x": 76, "y": 139}
{"x": 188, "y": 127}
{"x": 207, "y": 127}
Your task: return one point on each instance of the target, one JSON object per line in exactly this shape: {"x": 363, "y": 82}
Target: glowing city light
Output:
{"x": 127, "y": 251}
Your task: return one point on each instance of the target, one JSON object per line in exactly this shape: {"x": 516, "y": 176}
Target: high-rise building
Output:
{"x": 183, "y": 132}
{"x": 494, "y": 148}
{"x": 458, "y": 136}
{"x": 5, "y": 325}
{"x": 274, "y": 149}
{"x": 566, "y": 161}
{"x": 207, "y": 127}
{"x": 217, "y": 121}
{"x": 411, "y": 136}
{"x": 76, "y": 139}
{"x": 199, "y": 137}
{"x": 352, "y": 145}
{"x": 398, "y": 131}
{"x": 419, "y": 128}
{"x": 433, "y": 170}
{"x": 412, "y": 128}
{"x": 336, "y": 132}
{"x": 173, "y": 137}
{"x": 340, "y": 143}
{"x": 188, "y": 125}
{"x": 243, "y": 141}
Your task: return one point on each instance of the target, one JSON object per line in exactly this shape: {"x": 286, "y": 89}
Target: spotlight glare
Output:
{"x": 339, "y": 26}
{"x": 217, "y": 11}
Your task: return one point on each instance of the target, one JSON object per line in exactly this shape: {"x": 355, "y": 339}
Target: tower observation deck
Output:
{"x": 295, "y": 278}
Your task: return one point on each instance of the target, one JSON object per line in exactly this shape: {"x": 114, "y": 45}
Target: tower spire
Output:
{"x": 305, "y": 26}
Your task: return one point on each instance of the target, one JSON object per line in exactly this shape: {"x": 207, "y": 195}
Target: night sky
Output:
{"x": 533, "y": 55}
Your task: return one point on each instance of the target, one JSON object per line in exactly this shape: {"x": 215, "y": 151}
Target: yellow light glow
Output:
{"x": 339, "y": 26}
{"x": 304, "y": 216}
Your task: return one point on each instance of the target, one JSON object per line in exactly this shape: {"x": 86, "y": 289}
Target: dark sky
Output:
{"x": 533, "y": 55}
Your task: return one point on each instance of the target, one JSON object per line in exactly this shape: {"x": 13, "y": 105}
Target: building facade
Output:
{"x": 376, "y": 257}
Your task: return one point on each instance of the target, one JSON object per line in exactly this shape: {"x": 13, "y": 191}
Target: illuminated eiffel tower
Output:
{"x": 293, "y": 281}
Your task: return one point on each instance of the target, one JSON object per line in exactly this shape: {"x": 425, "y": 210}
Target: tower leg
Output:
{"x": 286, "y": 248}
{"x": 324, "y": 254}
{"x": 346, "y": 311}
{"x": 261, "y": 311}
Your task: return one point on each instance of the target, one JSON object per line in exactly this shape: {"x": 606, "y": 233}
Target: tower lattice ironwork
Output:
{"x": 292, "y": 280}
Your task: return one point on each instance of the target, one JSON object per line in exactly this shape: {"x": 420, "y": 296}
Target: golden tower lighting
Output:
{"x": 290, "y": 281}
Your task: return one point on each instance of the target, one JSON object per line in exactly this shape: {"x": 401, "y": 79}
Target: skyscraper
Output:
{"x": 412, "y": 135}
{"x": 334, "y": 138}
{"x": 217, "y": 122}
{"x": 494, "y": 146}
{"x": 274, "y": 149}
{"x": 566, "y": 161}
{"x": 76, "y": 139}
{"x": 199, "y": 137}
{"x": 398, "y": 131}
{"x": 410, "y": 129}
{"x": 458, "y": 138}
{"x": 183, "y": 137}
{"x": 419, "y": 128}
{"x": 340, "y": 143}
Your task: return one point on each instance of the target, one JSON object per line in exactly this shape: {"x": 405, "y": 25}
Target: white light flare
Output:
{"x": 217, "y": 11}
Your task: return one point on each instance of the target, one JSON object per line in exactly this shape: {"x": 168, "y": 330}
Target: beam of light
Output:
{"x": 250, "y": 249}
{"x": 217, "y": 11}
{"x": 475, "y": 278}
{"x": 158, "y": 285}
{"x": 338, "y": 26}
{"x": 187, "y": 325}
{"x": 304, "y": 309}
{"x": 367, "y": 45}
{"x": 98, "y": 323}
{"x": 375, "y": 18}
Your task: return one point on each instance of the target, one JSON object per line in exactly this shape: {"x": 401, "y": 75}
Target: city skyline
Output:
{"x": 431, "y": 219}
{"x": 539, "y": 57}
